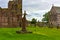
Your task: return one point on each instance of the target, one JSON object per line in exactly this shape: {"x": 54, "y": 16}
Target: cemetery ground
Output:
{"x": 39, "y": 33}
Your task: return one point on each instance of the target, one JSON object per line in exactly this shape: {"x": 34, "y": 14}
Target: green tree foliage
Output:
{"x": 34, "y": 21}
{"x": 46, "y": 17}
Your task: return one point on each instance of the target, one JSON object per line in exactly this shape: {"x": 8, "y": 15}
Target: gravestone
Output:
{"x": 24, "y": 22}
{"x": 23, "y": 25}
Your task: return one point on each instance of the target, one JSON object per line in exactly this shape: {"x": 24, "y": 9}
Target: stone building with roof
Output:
{"x": 9, "y": 16}
{"x": 54, "y": 16}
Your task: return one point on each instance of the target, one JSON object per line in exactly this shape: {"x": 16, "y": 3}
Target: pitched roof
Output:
{"x": 57, "y": 9}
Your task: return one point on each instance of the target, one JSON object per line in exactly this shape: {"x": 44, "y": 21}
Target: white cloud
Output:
{"x": 4, "y": 3}
{"x": 38, "y": 6}
{"x": 34, "y": 8}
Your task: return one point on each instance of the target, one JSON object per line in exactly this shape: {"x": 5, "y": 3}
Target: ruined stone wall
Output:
{"x": 8, "y": 16}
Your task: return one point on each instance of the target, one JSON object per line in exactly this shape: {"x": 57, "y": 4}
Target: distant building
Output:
{"x": 9, "y": 16}
{"x": 54, "y": 16}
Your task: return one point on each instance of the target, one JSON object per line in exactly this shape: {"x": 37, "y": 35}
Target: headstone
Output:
{"x": 24, "y": 22}
{"x": 24, "y": 25}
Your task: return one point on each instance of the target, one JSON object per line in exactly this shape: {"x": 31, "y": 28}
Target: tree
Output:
{"x": 46, "y": 17}
{"x": 33, "y": 21}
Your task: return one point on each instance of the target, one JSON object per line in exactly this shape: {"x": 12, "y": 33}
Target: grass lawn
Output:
{"x": 38, "y": 34}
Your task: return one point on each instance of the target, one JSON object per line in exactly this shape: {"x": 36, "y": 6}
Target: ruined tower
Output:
{"x": 15, "y": 7}
{"x": 9, "y": 16}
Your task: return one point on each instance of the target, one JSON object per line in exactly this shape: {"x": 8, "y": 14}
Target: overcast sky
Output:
{"x": 34, "y": 8}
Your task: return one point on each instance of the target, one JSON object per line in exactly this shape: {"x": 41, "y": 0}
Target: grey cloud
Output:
{"x": 39, "y": 6}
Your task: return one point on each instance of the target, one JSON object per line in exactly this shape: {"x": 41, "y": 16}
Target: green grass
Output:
{"x": 38, "y": 34}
